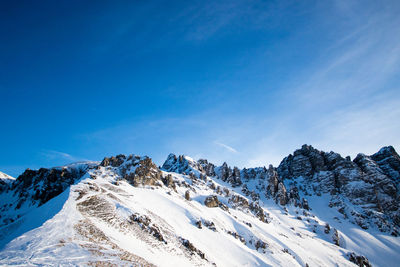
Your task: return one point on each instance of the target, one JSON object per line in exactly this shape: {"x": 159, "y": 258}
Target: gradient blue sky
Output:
{"x": 245, "y": 82}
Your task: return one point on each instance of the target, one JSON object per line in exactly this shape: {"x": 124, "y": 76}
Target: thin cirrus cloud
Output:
{"x": 229, "y": 148}
{"x": 53, "y": 155}
{"x": 210, "y": 18}
{"x": 344, "y": 99}
{"x": 256, "y": 89}
{"x": 347, "y": 100}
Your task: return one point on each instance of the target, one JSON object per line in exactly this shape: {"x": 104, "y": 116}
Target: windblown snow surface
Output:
{"x": 103, "y": 220}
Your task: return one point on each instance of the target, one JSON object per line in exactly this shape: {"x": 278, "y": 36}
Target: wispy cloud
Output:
{"x": 361, "y": 127}
{"x": 345, "y": 98}
{"x": 58, "y": 155}
{"x": 229, "y": 148}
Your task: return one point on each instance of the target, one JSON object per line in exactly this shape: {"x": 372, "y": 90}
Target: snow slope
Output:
{"x": 5, "y": 177}
{"x": 103, "y": 219}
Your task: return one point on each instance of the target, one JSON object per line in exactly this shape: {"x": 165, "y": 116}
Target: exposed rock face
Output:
{"x": 46, "y": 183}
{"x": 273, "y": 181}
{"x": 169, "y": 181}
{"x": 370, "y": 184}
{"x": 261, "y": 244}
{"x": 182, "y": 164}
{"x": 304, "y": 162}
{"x": 239, "y": 202}
{"x": 361, "y": 261}
{"x": 145, "y": 173}
{"x": 365, "y": 191}
{"x": 235, "y": 178}
{"x": 113, "y": 161}
{"x": 281, "y": 194}
{"x": 34, "y": 188}
{"x": 139, "y": 171}
{"x": 207, "y": 167}
{"x": 224, "y": 172}
{"x": 367, "y": 181}
{"x": 237, "y": 236}
{"x": 192, "y": 248}
{"x": 389, "y": 162}
{"x": 336, "y": 237}
{"x": 145, "y": 223}
{"x": 260, "y": 173}
{"x": 259, "y": 212}
{"x": 187, "y": 195}
{"x": 211, "y": 201}
{"x": 202, "y": 168}
{"x": 381, "y": 189}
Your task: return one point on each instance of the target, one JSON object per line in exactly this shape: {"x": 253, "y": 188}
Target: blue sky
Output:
{"x": 246, "y": 82}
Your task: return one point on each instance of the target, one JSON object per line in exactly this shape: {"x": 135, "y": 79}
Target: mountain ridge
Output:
{"x": 362, "y": 193}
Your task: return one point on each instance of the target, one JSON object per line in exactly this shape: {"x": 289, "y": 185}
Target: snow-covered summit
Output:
{"x": 6, "y": 177}
{"x": 5, "y": 181}
{"x": 315, "y": 208}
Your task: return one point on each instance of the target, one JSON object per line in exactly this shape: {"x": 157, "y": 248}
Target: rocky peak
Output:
{"x": 389, "y": 161}
{"x": 185, "y": 165}
{"x": 180, "y": 164}
{"x": 384, "y": 153}
{"x": 170, "y": 163}
{"x": 144, "y": 172}
{"x": 137, "y": 170}
{"x": 367, "y": 181}
{"x": 227, "y": 174}
{"x": 207, "y": 167}
{"x": 113, "y": 161}
{"x": 308, "y": 161}
{"x": 224, "y": 172}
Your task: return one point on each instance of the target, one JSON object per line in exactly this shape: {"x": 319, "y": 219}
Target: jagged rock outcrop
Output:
{"x": 336, "y": 237}
{"x": 181, "y": 164}
{"x": 235, "y": 178}
{"x": 224, "y": 172}
{"x": 113, "y": 161}
{"x": 143, "y": 172}
{"x": 192, "y": 248}
{"x": 33, "y": 188}
{"x": 169, "y": 181}
{"x": 365, "y": 191}
{"x": 202, "y": 168}
{"x": 273, "y": 181}
{"x": 139, "y": 171}
{"x": 281, "y": 195}
{"x": 46, "y": 183}
{"x": 207, "y": 167}
{"x": 370, "y": 182}
{"x": 187, "y": 195}
{"x": 145, "y": 224}
{"x": 389, "y": 162}
{"x": 211, "y": 201}
{"x": 360, "y": 261}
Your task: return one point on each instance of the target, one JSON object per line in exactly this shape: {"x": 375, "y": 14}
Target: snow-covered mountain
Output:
{"x": 5, "y": 179}
{"x": 314, "y": 209}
